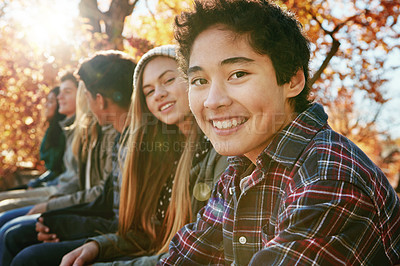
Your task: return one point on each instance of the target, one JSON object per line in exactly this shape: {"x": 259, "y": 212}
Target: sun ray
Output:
{"x": 47, "y": 23}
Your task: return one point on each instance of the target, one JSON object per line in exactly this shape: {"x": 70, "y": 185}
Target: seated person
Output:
{"x": 92, "y": 146}
{"x": 15, "y": 199}
{"x": 295, "y": 192}
{"x": 108, "y": 79}
{"x": 161, "y": 91}
{"x": 53, "y": 143}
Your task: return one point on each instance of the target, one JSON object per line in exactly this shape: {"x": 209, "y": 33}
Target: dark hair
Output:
{"x": 54, "y": 130}
{"x": 69, "y": 76}
{"x": 109, "y": 73}
{"x": 269, "y": 30}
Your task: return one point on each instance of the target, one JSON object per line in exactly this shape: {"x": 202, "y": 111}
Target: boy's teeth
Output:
{"x": 228, "y": 123}
{"x": 166, "y": 106}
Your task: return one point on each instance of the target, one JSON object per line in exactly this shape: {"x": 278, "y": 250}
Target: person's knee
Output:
{"x": 27, "y": 257}
{"x": 11, "y": 241}
{"x": 7, "y": 216}
{"x": 19, "y": 236}
{"x": 43, "y": 254}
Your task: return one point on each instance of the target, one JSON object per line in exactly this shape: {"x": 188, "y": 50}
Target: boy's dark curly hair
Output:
{"x": 269, "y": 30}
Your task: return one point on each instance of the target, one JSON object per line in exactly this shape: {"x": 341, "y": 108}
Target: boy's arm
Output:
{"x": 200, "y": 242}
{"x": 113, "y": 246}
{"x": 329, "y": 222}
{"x": 101, "y": 168}
{"x": 78, "y": 197}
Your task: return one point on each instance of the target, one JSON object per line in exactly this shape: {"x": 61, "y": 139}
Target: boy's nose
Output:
{"x": 217, "y": 97}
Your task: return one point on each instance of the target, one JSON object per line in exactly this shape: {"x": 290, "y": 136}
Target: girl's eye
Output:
{"x": 147, "y": 93}
{"x": 198, "y": 82}
{"x": 238, "y": 74}
{"x": 169, "y": 81}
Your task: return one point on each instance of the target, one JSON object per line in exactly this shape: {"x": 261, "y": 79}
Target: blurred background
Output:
{"x": 355, "y": 65}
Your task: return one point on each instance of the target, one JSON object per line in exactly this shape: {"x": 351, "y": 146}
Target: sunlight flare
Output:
{"x": 47, "y": 23}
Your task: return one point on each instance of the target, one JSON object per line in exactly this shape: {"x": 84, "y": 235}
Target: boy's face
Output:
{"x": 67, "y": 98}
{"x": 234, "y": 95}
{"x": 96, "y": 106}
{"x": 93, "y": 106}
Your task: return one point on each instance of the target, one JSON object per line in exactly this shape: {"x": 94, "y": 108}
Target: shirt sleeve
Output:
{"x": 114, "y": 246}
{"x": 140, "y": 261}
{"x": 323, "y": 223}
{"x": 200, "y": 242}
{"x": 82, "y": 196}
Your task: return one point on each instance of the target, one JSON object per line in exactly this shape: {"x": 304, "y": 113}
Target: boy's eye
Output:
{"x": 198, "y": 82}
{"x": 238, "y": 75}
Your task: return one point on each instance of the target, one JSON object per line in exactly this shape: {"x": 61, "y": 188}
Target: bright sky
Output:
{"x": 391, "y": 113}
{"x": 45, "y": 23}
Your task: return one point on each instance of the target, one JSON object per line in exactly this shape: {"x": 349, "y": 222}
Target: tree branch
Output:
{"x": 88, "y": 9}
{"x": 332, "y": 52}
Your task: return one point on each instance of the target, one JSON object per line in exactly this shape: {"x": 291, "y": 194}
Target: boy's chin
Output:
{"x": 225, "y": 149}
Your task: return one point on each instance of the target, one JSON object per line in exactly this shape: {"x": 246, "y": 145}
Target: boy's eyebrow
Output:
{"x": 228, "y": 61}
{"x": 236, "y": 60}
{"x": 193, "y": 69}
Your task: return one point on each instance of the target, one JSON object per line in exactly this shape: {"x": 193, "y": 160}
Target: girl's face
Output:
{"x": 50, "y": 106}
{"x": 165, "y": 91}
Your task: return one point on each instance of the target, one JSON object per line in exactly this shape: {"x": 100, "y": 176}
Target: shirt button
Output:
{"x": 242, "y": 240}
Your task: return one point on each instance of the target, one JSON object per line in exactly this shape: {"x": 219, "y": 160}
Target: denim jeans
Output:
{"x": 45, "y": 253}
{"x": 11, "y": 214}
{"x": 27, "y": 223}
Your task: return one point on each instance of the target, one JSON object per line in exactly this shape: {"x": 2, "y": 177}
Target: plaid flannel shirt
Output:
{"x": 313, "y": 198}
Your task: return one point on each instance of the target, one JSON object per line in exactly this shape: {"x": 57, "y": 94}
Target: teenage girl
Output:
{"x": 169, "y": 170}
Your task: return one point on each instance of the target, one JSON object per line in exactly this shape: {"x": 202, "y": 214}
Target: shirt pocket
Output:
{"x": 267, "y": 233}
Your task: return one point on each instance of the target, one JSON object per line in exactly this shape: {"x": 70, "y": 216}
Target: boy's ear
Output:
{"x": 101, "y": 101}
{"x": 296, "y": 84}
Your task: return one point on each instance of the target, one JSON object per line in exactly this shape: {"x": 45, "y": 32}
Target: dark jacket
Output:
{"x": 100, "y": 163}
{"x": 93, "y": 218}
{"x": 203, "y": 176}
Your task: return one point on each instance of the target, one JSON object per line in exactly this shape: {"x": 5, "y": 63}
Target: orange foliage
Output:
{"x": 353, "y": 39}
{"x": 22, "y": 90}
{"x": 27, "y": 73}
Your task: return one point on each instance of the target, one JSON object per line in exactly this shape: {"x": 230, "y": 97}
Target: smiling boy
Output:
{"x": 296, "y": 192}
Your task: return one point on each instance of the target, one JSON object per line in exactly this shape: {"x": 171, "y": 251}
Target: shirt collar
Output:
{"x": 67, "y": 122}
{"x": 288, "y": 144}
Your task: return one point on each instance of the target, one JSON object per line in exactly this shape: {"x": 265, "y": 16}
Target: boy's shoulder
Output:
{"x": 332, "y": 156}
{"x": 109, "y": 134}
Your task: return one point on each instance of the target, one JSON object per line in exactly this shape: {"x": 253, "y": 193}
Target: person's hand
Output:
{"x": 38, "y": 208}
{"x": 83, "y": 255}
{"x": 44, "y": 234}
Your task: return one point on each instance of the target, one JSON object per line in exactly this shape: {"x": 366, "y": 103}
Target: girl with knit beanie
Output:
{"x": 169, "y": 171}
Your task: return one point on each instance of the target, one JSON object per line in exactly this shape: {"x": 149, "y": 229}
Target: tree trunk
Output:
{"x": 110, "y": 22}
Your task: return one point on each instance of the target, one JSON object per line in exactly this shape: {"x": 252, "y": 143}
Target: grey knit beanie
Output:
{"x": 164, "y": 50}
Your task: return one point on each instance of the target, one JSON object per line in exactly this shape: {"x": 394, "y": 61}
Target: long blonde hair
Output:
{"x": 147, "y": 169}
{"x": 85, "y": 126}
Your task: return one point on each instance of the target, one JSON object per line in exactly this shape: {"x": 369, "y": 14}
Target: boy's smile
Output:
{"x": 234, "y": 94}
